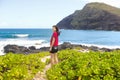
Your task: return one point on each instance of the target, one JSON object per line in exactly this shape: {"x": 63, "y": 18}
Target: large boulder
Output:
{"x": 32, "y": 48}
{"x": 65, "y": 45}
{"x": 15, "y": 49}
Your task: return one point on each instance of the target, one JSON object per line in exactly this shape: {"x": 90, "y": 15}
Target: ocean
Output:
{"x": 41, "y": 37}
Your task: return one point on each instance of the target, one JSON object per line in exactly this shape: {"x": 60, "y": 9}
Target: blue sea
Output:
{"x": 41, "y": 37}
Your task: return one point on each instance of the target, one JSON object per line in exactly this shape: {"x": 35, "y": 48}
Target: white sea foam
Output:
{"x": 21, "y": 35}
{"x": 22, "y": 42}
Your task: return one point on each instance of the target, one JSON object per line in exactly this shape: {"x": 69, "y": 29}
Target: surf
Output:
{"x": 21, "y": 35}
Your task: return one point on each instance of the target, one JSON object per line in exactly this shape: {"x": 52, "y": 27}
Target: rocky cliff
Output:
{"x": 94, "y": 16}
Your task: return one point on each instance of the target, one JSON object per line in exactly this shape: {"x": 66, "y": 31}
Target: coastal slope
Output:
{"x": 94, "y": 16}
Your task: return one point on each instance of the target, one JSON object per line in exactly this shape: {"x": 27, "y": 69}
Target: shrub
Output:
{"x": 86, "y": 66}
{"x": 20, "y": 66}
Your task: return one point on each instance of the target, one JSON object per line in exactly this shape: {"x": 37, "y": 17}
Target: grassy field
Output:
{"x": 91, "y": 65}
{"x": 20, "y": 66}
{"x": 73, "y": 65}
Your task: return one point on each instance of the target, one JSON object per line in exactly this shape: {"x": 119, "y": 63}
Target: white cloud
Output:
{"x": 115, "y": 3}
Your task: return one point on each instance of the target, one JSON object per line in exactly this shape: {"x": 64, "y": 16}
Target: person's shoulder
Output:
{"x": 55, "y": 33}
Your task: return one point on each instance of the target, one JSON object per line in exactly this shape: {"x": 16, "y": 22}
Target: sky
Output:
{"x": 40, "y": 13}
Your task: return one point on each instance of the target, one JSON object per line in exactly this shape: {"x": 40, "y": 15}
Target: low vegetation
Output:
{"x": 76, "y": 65}
{"x": 20, "y": 66}
{"x": 73, "y": 65}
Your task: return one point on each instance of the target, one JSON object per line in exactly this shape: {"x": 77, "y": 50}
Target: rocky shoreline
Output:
{"x": 21, "y": 49}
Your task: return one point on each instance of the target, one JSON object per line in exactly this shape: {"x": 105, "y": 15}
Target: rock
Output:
{"x": 118, "y": 49}
{"x": 10, "y": 48}
{"x": 94, "y": 16}
{"x": 20, "y": 49}
{"x": 106, "y": 49}
{"x": 15, "y": 49}
{"x": 44, "y": 49}
{"x": 23, "y": 49}
{"x": 32, "y": 48}
{"x": 65, "y": 45}
{"x": 94, "y": 48}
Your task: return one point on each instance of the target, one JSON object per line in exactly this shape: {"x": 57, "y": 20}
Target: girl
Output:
{"x": 54, "y": 45}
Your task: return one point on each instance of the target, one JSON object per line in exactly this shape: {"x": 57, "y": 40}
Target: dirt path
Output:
{"x": 42, "y": 75}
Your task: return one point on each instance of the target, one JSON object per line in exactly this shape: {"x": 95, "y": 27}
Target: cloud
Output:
{"x": 115, "y": 3}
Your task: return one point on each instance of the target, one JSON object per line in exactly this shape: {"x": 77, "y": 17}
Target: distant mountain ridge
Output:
{"x": 94, "y": 16}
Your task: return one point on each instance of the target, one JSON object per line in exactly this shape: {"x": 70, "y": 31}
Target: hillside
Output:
{"x": 94, "y": 16}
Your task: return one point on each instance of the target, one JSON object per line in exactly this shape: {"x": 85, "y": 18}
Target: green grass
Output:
{"x": 73, "y": 65}
{"x": 20, "y": 66}
{"x": 105, "y": 7}
{"x": 76, "y": 65}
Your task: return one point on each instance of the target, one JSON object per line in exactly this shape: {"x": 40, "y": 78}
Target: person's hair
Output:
{"x": 57, "y": 29}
